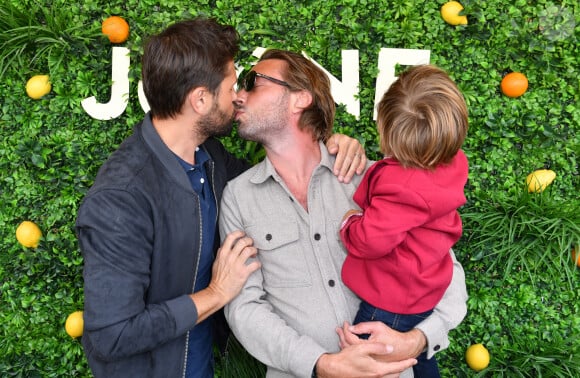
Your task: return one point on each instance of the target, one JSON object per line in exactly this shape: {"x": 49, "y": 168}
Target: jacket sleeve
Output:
{"x": 115, "y": 234}
{"x": 392, "y": 212}
{"x": 252, "y": 319}
{"x": 448, "y": 313}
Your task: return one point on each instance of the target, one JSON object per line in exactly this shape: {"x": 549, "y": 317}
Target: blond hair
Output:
{"x": 422, "y": 118}
{"x": 302, "y": 74}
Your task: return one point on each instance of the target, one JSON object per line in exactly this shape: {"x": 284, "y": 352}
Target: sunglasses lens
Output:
{"x": 249, "y": 81}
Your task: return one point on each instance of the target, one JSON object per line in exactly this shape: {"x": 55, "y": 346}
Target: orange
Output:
{"x": 116, "y": 28}
{"x": 514, "y": 84}
{"x": 576, "y": 258}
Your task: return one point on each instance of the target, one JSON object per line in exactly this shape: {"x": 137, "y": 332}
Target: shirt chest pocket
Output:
{"x": 284, "y": 264}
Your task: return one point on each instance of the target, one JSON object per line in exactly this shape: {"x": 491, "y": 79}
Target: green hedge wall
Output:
{"x": 524, "y": 294}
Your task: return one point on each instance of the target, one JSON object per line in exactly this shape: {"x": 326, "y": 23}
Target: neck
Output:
{"x": 295, "y": 160}
{"x": 180, "y": 136}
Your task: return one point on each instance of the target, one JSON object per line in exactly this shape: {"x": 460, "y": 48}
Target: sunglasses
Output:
{"x": 249, "y": 80}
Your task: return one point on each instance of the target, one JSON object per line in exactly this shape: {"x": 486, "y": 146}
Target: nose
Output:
{"x": 240, "y": 97}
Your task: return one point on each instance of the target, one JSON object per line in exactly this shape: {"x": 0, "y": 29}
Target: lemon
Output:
{"x": 539, "y": 180}
{"x": 28, "y": 234}
{"x": 74, "y": 324}
{"x": 450, "y": 13}
{"x": 38, "y": 86}
{"x": 477, "y": 357}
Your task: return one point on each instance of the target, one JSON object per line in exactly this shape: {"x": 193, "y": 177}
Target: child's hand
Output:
{"x": 349, "y": 213}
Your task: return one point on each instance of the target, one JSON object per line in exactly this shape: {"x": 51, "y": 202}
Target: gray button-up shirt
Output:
{"x": 287, "y": 313}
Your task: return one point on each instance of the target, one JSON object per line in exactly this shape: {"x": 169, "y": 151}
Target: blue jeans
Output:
{"x": 425, "y": 368}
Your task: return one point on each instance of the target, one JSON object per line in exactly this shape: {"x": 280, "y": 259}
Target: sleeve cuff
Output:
{"x": 435, "y": 333}
{"x": 184, "y": 312}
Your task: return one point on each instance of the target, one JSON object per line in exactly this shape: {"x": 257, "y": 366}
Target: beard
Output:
{"x": 217, "y": 123}
{"x": 267, "y": 125}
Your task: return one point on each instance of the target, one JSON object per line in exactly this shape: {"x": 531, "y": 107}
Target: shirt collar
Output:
{"x": 265, "y": 169}
{"x": 200, "y": 157}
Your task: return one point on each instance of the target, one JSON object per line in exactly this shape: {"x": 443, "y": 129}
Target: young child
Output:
{"x": 398, "y": 246}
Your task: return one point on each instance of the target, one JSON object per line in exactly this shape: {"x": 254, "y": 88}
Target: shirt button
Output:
{"x": 331, "y": 283}
{"x": 268, "y": 237}
{"x": 436, "y": 348}
{"x": 317, "y": 236}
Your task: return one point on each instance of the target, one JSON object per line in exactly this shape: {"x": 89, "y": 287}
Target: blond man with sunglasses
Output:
{"x": 290, "y": 312}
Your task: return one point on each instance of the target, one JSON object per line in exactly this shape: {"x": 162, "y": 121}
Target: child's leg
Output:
{"x": 400, "y": 322}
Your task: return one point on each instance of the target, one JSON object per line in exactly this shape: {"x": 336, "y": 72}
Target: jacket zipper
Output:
{"x": 199, "y": 257}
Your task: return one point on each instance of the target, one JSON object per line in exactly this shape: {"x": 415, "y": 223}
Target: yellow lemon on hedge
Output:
{"x": 477, "y": 357}
{"x": 74, "y": 324}
{"x": 28, "y": 234}
{"x": 450, "y": 13}
{"x": 538, "y": 180}
{"x": 38, "y": 86}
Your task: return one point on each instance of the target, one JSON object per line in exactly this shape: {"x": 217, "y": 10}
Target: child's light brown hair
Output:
{"x": 422, "y": 118}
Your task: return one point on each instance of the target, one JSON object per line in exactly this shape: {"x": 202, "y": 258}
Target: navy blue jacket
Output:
{"x": 139, "y": 231}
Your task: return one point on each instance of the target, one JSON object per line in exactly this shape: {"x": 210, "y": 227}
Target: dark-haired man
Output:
{"x": 148, "y": 226}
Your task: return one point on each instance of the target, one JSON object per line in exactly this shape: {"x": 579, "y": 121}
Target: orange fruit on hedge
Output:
{"x": 116, "y": 28}
{"x": 74, "y": 324}
{"x": 576, "y": 257}
{"x": 514, "y": 84}
{"x": 28, "y": 234}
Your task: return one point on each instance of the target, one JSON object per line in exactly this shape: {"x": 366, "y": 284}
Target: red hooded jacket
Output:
{"x": 398, "y": 248}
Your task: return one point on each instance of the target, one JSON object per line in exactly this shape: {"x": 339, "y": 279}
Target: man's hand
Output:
{"x": 360, "y": 361}
{"x": 230, "y": 272}
{"x": 350, "y": 156}
{"x": 405, "y": 344}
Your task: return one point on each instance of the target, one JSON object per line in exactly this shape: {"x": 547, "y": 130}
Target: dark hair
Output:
{"x": 422, "y": 118}
{"x": 186, "y": 55}
{"x": 302, "y": 74}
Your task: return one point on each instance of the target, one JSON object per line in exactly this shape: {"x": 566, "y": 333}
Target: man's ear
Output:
{"x": 302, "y": 100}
{"x": 200, "y": 99}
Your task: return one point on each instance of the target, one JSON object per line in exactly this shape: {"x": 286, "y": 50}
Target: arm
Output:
{"x": 350, "y": 156}
{"x": 431, "y": 333}
{"x": 362, "y": 360}
{"x": 448, "y": 313}
{"x": 115, "y": 235}
{"x": 401, "y": 208}
{"x": 229, "y": 273}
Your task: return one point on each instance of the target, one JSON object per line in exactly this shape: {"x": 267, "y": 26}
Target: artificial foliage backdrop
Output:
{"x": 517, "y": 247}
